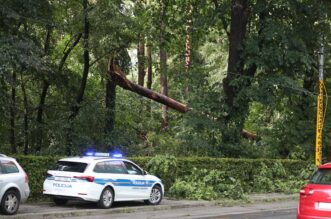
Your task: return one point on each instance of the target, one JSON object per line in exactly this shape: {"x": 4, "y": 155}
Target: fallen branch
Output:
{"x": 126, "y": 84}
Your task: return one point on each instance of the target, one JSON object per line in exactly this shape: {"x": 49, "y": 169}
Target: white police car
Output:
{"x": 101, "y": 179}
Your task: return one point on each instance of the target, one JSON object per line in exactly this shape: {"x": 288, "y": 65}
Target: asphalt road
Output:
{"x": 195, "y": 213}
{"x": 285, "y": 210}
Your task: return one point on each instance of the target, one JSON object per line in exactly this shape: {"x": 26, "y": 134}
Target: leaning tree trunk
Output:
{"x": 79, "y": 98}
{"x": 163, "y": 65}
{"x": 43, "y": 94}
{"x": 123, "y": 82}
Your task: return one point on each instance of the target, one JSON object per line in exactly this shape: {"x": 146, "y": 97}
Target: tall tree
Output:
{"x": 188, "y": 41}
{"x": 13, "y": 114}
{"x": 86, "y": 66}
{"x": 240, "y": 12}
{"x": 163, "y": 61}
{"x": 110, "y": 97}
{"x": 141, "y": 60}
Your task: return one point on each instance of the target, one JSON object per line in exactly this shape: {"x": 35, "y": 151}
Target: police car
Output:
{"x": 102, "y": 178}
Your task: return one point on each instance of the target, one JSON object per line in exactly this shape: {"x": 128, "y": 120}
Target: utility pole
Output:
{"x": 319, "y": 121}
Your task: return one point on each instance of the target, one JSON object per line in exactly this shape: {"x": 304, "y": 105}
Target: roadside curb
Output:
{"x": 258, "y": 198}
{"x": 89, "y": 212}
{"x": 251, "y": 214}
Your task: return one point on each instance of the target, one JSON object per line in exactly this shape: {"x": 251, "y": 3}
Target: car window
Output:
{"x": 322, "y": 176}
{"x": 8, "y": 167}
{"x": 110, "y": 167}
{"x": 132, "y": 169}
{"x": 68, "y": 166}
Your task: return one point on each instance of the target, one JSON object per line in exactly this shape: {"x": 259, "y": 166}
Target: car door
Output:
{"x": 113, "y": 172}
{"x": 10, "y": 173}
{"x": 140, "y": 185}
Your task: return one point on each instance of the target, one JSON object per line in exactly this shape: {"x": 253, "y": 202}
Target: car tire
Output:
{"x": 106, "y": 198}
{"x": 10, "y": 202}
{"x": 156, "y": 196}
{"x": 60, "y": 201}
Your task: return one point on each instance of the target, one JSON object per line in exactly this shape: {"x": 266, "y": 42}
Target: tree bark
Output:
{"x": 149, "y": 67}
{"x": 141, "y": 60}
{"x": 123, "y": 82}
{"x": 149, "y": 73}
{"x": 189, "y": 25}
{"x": 43, "y": 94}
{"x": 163, "y": 65}
{"x": 26, "y": 119}
{"x": 234, "y": 121}
{"x": 239, "y": 18}
{"x": 110, "y": 98}
{"x": 13, "y": 115}
{"x": 40, "y": 115}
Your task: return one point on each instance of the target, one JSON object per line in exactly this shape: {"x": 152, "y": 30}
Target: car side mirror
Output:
{"x": 145, "y": 172}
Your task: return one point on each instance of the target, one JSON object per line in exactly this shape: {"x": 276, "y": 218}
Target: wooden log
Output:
{"x": 126, "y": 84}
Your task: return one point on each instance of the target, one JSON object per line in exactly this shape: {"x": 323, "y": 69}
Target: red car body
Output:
{"x": 315, "y": 197}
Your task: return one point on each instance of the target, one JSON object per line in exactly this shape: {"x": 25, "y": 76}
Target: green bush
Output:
{"x": 200, "y": 177}
{"x": 208, "y": 185}
{"x": 164, "y": 167}
{"x": 36, "y": 167}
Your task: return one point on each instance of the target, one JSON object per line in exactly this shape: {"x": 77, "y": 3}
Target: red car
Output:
{"x": 315, "y": 197}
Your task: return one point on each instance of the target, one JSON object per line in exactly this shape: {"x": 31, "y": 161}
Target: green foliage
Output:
{"x": 277, "y": 101}
{"x": 200, "y": 178}
{"x": 36, "y": 168}
{"x": 207, "y": 185}
{"x": 164, "y": 167}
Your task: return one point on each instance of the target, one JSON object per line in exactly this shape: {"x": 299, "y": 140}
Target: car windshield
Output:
{"x": 321, "y": 176}
{"x": 70, "y": 166}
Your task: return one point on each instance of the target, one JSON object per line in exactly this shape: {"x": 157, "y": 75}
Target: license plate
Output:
{"x": 62, "y": 179}
{"x": 324, "y": 206}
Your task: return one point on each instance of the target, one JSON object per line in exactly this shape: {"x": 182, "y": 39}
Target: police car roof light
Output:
{"x": 117, "y": 155}
{"x": 100, "y": 154}
{"x": 89, "y": 153}
{"x": 92, "y": 153}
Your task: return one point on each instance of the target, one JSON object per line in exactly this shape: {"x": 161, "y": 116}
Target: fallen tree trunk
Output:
{"x": 123, "y": 82}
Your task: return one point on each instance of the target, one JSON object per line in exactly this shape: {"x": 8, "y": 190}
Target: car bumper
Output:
{"x": 73, "y": 190}
{"x": 76, "y": 197}
{"x": 25, "y": 196}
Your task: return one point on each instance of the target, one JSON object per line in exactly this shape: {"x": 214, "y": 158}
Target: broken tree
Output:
{"x": 120, "y": 79}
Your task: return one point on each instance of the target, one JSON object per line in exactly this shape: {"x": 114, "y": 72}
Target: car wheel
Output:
{"x": 156, "y": 196}
{"x": 106, "y": 198}
{"x": 10, "y": 202}
{"x": 60, "y": 201}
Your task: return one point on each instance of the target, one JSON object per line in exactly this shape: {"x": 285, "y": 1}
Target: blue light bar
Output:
{"x": 100, "y": 154}
{"x": 92, "y": 153}
{"x": 89, "y": 152}
{"x": 117, "y": 155}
